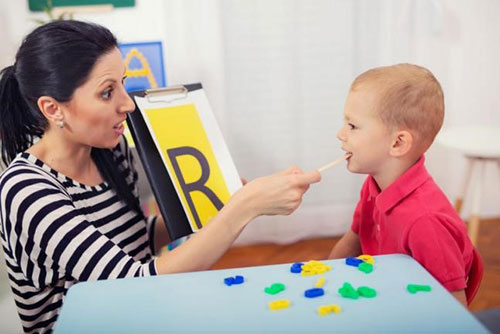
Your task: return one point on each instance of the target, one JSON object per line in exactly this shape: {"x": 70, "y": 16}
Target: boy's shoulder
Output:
{"x": 415, "y": 195}
{"x": 414, "y": 188}
{"x": 428, "y": 210}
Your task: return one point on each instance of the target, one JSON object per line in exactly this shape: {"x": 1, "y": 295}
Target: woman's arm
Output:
{"x": 54, "y": 227}
{"x": 161, "y": 237}
{"x": 278, "y": 194}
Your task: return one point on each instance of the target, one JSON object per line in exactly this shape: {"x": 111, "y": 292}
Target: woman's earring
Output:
{"x": 60, "y": 123}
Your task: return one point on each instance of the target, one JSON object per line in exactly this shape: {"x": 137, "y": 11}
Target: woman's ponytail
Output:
{"x": 18, "y": 125}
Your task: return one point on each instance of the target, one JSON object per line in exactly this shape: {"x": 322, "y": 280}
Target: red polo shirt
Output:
{"x": 412, "y": 216}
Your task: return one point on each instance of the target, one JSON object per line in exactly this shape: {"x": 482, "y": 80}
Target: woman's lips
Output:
{"x": 119, "y": 129}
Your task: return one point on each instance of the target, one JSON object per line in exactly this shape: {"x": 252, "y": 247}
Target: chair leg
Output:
{"x": 468, "y": 174}
{"x": 459, "y": 201}
{"x": 474, "y": 219}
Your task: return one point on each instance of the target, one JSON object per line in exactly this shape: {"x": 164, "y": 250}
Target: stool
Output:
{"x": 479, "y": 145}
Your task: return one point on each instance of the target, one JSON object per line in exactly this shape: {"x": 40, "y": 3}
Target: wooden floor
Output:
{"x": 318, "y": 249}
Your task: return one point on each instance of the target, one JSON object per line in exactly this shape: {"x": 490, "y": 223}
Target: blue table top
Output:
{"x": 201, "y": 302}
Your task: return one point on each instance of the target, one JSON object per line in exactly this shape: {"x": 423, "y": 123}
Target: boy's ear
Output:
{"x": 401, "y": 144}
{"x": 50, "y": 108}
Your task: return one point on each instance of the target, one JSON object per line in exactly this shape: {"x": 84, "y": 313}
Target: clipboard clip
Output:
{"x": 166, "y": 94}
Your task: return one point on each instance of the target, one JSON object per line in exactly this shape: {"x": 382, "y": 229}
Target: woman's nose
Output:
{"x": 127, "y": 104}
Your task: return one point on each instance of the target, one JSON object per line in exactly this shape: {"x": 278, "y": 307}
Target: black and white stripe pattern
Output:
{"x": 56, "y": 232}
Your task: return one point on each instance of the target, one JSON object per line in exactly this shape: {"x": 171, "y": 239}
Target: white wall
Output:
{"x": 465, "y": 52}
{"x": 277, "y": 72}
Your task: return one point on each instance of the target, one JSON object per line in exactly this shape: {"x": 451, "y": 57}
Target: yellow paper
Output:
{"x": 190, "y": 159}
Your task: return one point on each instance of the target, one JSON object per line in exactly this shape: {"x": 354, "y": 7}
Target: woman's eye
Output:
{"x": 106, "y": 95}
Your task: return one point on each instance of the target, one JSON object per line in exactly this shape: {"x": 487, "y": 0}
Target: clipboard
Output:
{"x": 164, "y": 185}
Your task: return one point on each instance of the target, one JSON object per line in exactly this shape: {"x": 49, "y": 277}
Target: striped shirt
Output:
{"x": 56, "y": 232}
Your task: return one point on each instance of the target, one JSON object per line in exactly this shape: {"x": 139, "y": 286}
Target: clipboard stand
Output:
{"x": 166, "y": 94}
{"x": 170, "y": 206}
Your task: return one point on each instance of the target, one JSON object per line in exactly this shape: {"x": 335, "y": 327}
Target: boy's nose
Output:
{"x": 340, "y": 135}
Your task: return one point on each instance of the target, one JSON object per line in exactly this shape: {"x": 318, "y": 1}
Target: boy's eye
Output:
{"x": 351, "y": 126}
{"x": 106, "y": 95}
{"x": 123, "y": 80}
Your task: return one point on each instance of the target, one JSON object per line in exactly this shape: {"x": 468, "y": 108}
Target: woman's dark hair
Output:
{"x": 53, "y": 60}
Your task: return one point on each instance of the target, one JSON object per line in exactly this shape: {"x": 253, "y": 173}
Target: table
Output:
{"x": 200, "y": 302}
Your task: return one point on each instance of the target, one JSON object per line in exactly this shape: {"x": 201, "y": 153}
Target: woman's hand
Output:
{"x": 276, "y": 194}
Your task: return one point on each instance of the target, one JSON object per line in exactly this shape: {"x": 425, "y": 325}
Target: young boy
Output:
{"x": 391, "y": 117}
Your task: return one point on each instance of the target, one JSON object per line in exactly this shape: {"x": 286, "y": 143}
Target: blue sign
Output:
{"x": 144, "y": 62}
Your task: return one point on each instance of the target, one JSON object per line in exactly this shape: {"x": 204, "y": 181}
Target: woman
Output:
{"x": 69, "y": 206}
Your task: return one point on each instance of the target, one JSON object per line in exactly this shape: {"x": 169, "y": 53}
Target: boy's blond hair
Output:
{"x": 411, "y": 98}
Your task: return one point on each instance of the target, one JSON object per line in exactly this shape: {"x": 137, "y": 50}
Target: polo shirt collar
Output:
{"x": 399, "y": 189}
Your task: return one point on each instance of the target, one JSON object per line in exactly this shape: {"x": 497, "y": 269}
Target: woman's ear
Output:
{"x": 50, "y": 108}
{"x": 401, "y": 144}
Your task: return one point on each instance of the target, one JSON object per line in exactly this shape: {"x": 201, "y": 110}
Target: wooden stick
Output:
{"x": 334, "y": 162}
